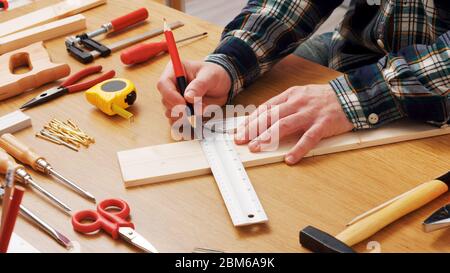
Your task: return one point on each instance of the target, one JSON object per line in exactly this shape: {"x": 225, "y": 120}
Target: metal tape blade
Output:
{"x": 234, "y": 184}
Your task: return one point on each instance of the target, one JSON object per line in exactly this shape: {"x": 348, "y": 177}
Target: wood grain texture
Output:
{"x": 42, "y": 33}
{"x": 39, "y": 70}
{"x": 47, "y": 14}
{"x": 323, "y": 191}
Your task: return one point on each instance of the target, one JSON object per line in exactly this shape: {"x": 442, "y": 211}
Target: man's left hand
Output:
{"x": 312, "y": 112}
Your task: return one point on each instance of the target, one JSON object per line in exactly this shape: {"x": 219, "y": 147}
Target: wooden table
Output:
{"x": 324, "y": 191}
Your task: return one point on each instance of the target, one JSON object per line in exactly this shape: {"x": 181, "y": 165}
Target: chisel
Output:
{"x": 26, "y": 155}
{"x": 21, "y": 175}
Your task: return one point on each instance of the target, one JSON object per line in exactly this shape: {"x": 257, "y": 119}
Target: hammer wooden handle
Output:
{"x": 368, "y": 226}
{"x": 20, "y": 151}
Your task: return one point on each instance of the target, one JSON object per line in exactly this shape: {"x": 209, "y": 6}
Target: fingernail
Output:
{"x": 190, "y": 94}
{"x": 290, "y": 159}
{"x": 254, "y": 145}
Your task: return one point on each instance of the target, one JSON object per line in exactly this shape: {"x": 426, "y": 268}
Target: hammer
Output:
{"x": 375, "y": 220}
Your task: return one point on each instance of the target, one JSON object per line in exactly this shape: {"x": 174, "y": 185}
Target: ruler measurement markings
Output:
{"x": 234, "y": 184}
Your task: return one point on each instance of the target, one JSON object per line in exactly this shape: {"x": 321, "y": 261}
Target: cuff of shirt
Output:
{"x": 239, "y": 60}
{"x": 227, "y": 63}
{"x": 366, "y": 98}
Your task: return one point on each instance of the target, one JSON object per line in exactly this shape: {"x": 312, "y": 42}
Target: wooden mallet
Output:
{"x": 374, "y": 220}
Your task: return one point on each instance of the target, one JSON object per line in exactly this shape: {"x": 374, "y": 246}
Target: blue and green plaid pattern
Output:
{"x": 395, "y": 56}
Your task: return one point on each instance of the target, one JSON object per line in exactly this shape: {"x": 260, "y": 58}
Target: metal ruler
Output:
{"x": 234, "y": 184}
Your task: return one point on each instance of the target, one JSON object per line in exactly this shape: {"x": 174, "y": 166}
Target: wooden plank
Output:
{"x": 185, "y": 159}
{"x": 42, "y": 33}
{"x": 14, "y": 122}
{"x": 48, "y": 14}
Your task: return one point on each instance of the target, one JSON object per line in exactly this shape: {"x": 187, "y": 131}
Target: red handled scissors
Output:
{"x": 70, "y": 86}
{"x": 113, "y": 222}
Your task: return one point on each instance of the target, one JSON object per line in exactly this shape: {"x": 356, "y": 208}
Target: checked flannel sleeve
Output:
{"x": 413, "y": 82}
{"x": 265, "y": 32}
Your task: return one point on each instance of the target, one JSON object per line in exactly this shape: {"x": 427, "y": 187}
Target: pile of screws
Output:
{"x": 66, "y": 133}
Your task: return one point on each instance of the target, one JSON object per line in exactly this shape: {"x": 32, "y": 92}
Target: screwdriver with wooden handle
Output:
{"x": 27, "y": 156}
{"x": 22, "y": 176}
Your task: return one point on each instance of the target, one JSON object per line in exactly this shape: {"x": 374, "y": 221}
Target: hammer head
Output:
{"x": 322, "y": 242}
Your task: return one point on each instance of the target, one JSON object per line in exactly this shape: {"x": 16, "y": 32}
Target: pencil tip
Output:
{"x": 166, "y": 26}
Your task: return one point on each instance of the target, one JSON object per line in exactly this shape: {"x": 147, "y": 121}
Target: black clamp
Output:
{"x": 85, "y": 56}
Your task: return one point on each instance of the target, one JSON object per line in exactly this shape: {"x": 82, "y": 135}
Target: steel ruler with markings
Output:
{"x": 234, "y": 184}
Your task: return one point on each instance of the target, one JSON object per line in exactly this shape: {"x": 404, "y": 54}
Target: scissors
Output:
{"x": 70, "y": 86}
{"x": 113, "y": 222}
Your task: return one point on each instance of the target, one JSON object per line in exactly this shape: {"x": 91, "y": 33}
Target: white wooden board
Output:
{"x": 13, "y": 122}
{"x": 47, "y": 14}
{"x": 18, "y": 245}
{"x": 185, "y": 159}
{"x": 42, "y": 33}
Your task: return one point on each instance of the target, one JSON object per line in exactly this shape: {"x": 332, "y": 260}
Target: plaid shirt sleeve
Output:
{"x": 265, "y": 32}
{"x": 413, "y": 82}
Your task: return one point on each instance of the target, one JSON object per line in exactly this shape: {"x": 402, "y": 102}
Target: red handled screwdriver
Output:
{"x": 4, "y": 4}
{"x": 144, "y": 52}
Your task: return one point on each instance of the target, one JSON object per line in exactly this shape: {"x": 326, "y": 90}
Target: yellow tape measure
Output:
{"x": 113, "y": 97}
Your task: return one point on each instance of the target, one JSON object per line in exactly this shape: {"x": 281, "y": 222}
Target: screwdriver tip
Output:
{"x": 91, "y": 197}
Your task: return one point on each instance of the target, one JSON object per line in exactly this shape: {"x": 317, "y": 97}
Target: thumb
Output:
{"x": 199, "y": 86}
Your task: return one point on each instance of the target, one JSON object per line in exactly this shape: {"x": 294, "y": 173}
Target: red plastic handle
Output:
{"x": 109, "y": 221}
{"x": 142, "y": 52}
{"x": 84, "y": 215}
{"x": 81, "y": 74}
{"x": 86, "y": 85}
{"x": 130, "y": 19}
{"x": 4, "y": 4}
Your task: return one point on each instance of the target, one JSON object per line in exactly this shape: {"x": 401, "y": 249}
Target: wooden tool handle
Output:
{"x": 7, "y": 162}
{"x": 18, "y": 86}
{"x": 18, "y": 150}
{"x": 368, "y": 226}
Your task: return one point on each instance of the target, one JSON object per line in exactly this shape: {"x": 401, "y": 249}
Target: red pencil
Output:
{"x": 10, "y": 218}
{"x": 176, "y": 62}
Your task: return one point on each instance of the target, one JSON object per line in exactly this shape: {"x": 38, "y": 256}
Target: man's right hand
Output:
{"x": 207, "y": 80}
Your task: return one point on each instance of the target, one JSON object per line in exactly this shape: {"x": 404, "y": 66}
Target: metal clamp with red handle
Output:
{"x": 86, "y": 39}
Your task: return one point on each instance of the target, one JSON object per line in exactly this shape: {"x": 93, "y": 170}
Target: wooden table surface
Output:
{"x": 324, "y": 191}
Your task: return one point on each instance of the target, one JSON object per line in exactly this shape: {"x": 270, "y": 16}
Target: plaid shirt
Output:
{"x": 395, "y": 56}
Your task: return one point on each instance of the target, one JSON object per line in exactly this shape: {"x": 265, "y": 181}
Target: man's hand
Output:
{"x": 207, "y": 80}
{"x": 312, "y": 112}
